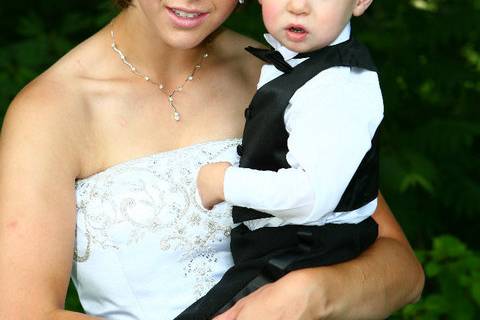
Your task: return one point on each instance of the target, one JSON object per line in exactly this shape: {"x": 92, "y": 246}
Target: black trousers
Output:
{"x": 263, "y": 256}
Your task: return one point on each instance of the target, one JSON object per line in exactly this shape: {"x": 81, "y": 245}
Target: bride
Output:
{"x": 98, "y": 162}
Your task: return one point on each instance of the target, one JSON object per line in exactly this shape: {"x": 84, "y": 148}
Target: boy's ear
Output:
{"x": 361, "y": 6}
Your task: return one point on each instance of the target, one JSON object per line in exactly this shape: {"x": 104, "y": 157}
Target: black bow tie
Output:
{"x": 271, "y": 56}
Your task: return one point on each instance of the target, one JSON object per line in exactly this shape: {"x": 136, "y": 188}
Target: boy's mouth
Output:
{"x": 297, "y": 29}
{"x": 296, "y": 33}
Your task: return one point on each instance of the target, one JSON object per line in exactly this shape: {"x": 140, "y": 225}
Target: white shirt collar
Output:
{"x": 285, "y": 52}
{"x": 344, "y": 35}
{"x": 289, "y": 54}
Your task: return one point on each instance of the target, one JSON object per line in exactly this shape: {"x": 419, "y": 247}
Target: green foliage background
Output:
{"x": 428, "y": 54}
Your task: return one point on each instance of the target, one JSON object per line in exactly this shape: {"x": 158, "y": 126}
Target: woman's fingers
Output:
{"x": 271, "y": 302}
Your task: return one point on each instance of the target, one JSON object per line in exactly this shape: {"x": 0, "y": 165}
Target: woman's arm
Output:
{"x": 384, "y": 278}
{"x": 38, "y": 166}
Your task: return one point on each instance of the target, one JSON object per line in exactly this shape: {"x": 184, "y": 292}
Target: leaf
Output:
{"x": 416, "y": 179}
{"x": 424, "y": 5}
{"x": 432, "y": 269}
{"x": 436, "y": 304}
{"x": 447, "y": 247}
{"x": 476, "y": 291}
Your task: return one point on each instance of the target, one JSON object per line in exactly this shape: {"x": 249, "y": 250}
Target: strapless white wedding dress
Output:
{"x": 145, "y": 249}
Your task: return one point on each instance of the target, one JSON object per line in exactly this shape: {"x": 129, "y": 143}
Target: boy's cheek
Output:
{"x": 270, "y": 13}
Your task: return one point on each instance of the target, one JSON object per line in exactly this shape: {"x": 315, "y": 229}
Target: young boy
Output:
{"x": 308, "y": 178}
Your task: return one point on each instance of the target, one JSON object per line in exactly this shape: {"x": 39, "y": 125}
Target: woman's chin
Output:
{"x": 185, "y": 41}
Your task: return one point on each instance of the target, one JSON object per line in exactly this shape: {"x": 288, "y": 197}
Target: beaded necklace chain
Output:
{"x": 170, "y": 95}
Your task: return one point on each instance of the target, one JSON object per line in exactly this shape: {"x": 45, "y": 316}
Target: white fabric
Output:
{"x": 144, "y": 248}
{"x": 331, "y": 121}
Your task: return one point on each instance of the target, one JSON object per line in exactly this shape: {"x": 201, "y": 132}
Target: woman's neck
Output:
{"x": 146, "y": 50}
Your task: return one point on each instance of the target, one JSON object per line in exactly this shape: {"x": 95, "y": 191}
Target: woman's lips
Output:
{"x": 186, "y": 19}
{"x": 296, "y": 32}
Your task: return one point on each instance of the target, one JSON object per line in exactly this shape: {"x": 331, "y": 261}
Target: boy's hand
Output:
{"x": 210, "y": 183}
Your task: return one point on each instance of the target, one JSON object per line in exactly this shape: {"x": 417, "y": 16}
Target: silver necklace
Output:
{"x": 170, "y": 95}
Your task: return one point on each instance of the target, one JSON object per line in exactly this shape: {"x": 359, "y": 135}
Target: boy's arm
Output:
{"x": 210, "y": 180}
{"x": 329, "y": 133}
{"x": 291, "y": 196}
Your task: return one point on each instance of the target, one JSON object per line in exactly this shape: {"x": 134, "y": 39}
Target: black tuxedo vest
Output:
{"x": 264, "y": 145}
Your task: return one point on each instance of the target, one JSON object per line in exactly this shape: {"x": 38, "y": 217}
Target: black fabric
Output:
{"x": 266, "y": 254}
{"x": 272, "y": 57}
{"x": 264, "y": 145}
{"x": 282, "y": 250}
{"x": 364, "y": 185}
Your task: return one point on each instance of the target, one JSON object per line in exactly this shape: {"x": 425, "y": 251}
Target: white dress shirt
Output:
{"x": 331, "y": 121}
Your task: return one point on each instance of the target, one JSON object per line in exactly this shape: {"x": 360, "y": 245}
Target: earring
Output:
{"x": 241, "y": 1}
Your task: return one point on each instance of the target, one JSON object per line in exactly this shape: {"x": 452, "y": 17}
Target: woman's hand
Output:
{"x": 289, "y": 298}
{"x": 210, "y": 183}
{"x": 381, "y": 280}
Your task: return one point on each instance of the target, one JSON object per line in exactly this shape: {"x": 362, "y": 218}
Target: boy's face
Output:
{"x": 306, "y": 25}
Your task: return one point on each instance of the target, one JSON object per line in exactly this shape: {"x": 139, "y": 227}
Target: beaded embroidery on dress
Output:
{"x": 145, "y": 249}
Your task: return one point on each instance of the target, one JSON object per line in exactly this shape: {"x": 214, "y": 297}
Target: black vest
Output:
{"x": 264, "y": 145}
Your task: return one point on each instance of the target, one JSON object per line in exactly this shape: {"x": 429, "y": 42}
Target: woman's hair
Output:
{"x": 123, "y": 3}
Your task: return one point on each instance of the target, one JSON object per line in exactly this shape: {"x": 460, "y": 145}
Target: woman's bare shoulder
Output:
{"x": 58, "y": 90}
{"x": 41, "y": 119}
{"x": 232, "y": 46}
{"x": 61, "y": 92}
{"x": 49, "y": 98}
{"x": 237, "y": 40}
{"x": 51, "y": 111}
{"x": 44, "y": 100}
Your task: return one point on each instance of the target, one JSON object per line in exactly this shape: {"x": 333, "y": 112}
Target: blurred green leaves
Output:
{"x": 38, "y": 42}
{"x": 428, "y": 54}
{"x": 453, "y": 277}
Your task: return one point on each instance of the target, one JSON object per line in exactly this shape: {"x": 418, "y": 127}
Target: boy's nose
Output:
{"x": 298, "y": 7}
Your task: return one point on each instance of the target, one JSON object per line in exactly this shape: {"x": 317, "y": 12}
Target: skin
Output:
{"x": 321, "y": 20}
{"x": 66, "y": 125}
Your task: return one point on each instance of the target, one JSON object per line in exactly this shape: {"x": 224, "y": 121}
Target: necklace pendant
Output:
{"x": 176, "y": 116}
{"x": 170, "y": 94}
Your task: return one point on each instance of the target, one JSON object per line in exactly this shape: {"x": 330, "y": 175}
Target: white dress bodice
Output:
{"x": 145, "y": 249}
